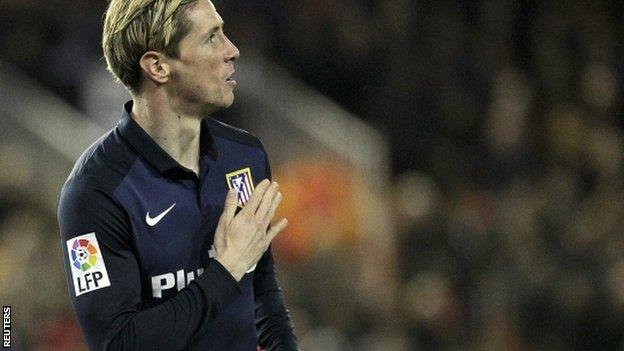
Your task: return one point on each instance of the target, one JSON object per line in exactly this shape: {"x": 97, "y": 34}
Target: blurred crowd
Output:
{"x": 504, "y": 119}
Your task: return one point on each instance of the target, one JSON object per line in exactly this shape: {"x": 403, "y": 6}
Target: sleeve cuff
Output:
{"x": 218, "y": 285}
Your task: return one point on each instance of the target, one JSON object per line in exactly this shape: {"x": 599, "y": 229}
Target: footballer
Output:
{"x": 165, "y": 221}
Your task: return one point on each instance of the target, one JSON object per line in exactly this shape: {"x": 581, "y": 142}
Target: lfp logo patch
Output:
{"x": 84, "y": 254}
{"x": 242, "y": 181}
{"x": 87, "y": 264}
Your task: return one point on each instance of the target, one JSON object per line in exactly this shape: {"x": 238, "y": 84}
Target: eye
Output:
{"x": 212, "y": 38}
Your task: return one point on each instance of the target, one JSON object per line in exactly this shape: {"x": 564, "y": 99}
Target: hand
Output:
{"x": 241, "y": 239}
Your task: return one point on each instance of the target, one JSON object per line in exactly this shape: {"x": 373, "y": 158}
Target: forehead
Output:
{"x": 204, "y": 16}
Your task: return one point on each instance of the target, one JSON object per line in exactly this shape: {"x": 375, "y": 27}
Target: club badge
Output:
{"x": 242, "y": 181}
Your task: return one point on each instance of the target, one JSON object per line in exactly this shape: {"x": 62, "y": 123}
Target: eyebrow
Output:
{"x": 215, "y": 28}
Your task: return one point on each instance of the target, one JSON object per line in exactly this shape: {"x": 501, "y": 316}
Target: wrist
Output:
{"x": 236, "y": 272}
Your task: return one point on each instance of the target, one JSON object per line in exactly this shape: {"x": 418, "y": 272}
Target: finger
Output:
{"x": 277, "y": 199}
{"x": 256, "y": 196}
{"x": 276, "y": 229}
{"x": 267, "y": 199}
{"x": 229, "y": 208}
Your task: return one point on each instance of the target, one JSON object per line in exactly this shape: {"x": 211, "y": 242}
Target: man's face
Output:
{"x": 201, "y": 76}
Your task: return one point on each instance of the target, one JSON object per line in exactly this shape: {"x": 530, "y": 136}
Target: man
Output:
{"x": 157, "y": 255}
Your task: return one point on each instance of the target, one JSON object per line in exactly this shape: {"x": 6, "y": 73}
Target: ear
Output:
{"x": 155, "y": 67}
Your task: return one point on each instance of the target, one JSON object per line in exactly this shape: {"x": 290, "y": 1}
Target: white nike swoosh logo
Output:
{"x": 153, "y": 221}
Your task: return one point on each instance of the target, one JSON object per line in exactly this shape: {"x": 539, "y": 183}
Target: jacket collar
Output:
{"x": 143, "y": 143}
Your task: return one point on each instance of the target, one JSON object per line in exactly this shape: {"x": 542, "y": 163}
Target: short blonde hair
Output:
{"x": 133, "y": 27}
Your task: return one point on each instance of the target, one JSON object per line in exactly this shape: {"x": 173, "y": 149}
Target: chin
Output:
{"x": 228, "y": 101}
{"x": 215, "y": 106}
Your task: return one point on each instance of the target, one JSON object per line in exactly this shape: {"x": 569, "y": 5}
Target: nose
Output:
{"x": 232, "y": 52}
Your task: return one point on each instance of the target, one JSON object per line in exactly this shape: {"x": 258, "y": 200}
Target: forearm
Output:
{"x": 169, "y": 325}
{"x": 273, "y": 322}
{"x": 275, "y": 327}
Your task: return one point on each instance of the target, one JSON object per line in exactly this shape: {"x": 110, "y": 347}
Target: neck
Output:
{"x": 178, "y": 134}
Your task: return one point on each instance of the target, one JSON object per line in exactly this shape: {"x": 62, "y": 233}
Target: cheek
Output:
{"x": 205, "y": 87}
{"x": 205, "y": 76}
{"x": 200, "y": 80}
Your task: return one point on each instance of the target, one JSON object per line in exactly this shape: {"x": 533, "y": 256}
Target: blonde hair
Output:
{"x": 133, "y": 27}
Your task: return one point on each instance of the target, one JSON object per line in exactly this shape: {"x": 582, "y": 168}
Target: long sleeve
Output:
{"x": 105, "y": 287}
{"x": 273, "y": 322}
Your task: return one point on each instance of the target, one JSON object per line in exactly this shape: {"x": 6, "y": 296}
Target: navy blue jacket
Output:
{"x": 137, "y": 230}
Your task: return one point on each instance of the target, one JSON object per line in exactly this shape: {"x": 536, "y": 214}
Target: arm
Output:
{"x": 111, "y": 317}
{"x": 275, "y": 328}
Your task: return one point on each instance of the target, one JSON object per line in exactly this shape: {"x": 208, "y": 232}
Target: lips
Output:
{"x": 229, "y": 80}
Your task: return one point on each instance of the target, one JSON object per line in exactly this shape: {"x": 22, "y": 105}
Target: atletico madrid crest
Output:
{"x": 242, "y": 181}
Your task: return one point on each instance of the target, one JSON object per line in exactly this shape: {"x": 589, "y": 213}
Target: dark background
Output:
{"x": 504, "y": 124}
